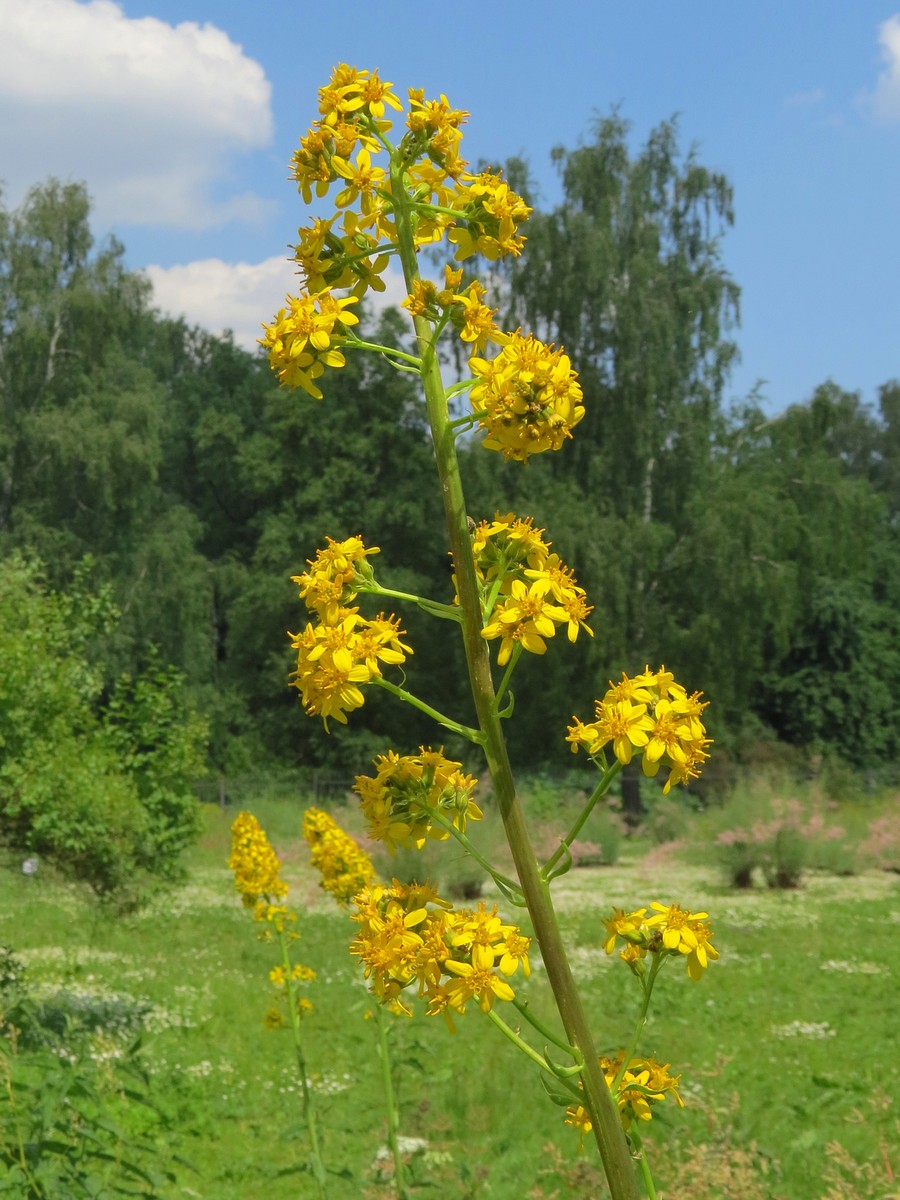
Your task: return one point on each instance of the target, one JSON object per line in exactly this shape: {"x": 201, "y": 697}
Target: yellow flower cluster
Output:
{"x": 352, "y": 248}
{"x": 409, "y": 935}
{"x": 669, "y": 930}
{"x": 402, "y": 799}
{"x": 653, "y": 714}
{"x": 256, "y": 876}
{"x": 335, "y": 576}
{"x": 527, "y": 591}
{"x": 527, "y": 398}
{"x": 472, "y": 318}
{"x": 480, "y": 210}
{"x": 342, "y": 650}
{"x": 493, "y": 213}
{"x": 644, "y": 1082}
{"x": 344, "y": 866}
{"x": 256, "y": 869}
{"x": 298, "y": 973}
{"x": 302, "y": 340}
{"x": 286, "y": 981}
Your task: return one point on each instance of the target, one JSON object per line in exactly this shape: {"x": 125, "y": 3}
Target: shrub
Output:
{"x": 757, "y": 834}
{"x": 100, "y": 791}
{"x": 667, "y": 820}
{"x": 881, "y": 846}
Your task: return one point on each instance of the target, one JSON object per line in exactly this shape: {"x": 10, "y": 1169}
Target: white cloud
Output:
{"x": 217, "y": 295}
{"x": 148, "y": 114}
{"x": 884, "y": 101}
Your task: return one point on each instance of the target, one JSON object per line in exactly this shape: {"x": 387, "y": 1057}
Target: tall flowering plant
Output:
{"x": 257, "y": 879}
{"x": 393, "y": 194}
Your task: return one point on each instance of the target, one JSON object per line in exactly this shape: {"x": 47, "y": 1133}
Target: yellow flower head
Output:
{"x": 416, "y": 796}
{"x": 651, "y": 714}
{"x": 490, "y": 214}
{"x": 527, "y": 592}
{"x": 528, "y": 398}
{"x": 526, "y": 617}
{"x": 475, "y": 320}
{"x": 273, "y": 1018}
{"x": 669, "y": 930}
{"x": 335, "y": 576}
{"x": 644, "y": 1083}
{"x": 336, "y": 657}
{"x": 410, "y": 936}
{"x": 303, "y": 339}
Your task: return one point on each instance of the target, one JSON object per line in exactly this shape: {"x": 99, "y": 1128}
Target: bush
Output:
{"x": 667, "y": 820}
{"x": 881, "y": 846}
{"x": 100, "y": 791}
{"x": 761, "y": 835}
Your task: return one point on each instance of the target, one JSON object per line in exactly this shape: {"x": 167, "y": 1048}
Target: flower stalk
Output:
{"x": 510, "y": 589}
{"x": 390, "y": 1104}
{"x": 607, "y": 1128}
{"x": 310, "y": 1115}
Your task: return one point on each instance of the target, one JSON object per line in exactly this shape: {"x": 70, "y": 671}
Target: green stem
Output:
{"x": 393, "y": 1115}
{"x": 23, "y": 1161}
{"x": 607, "y": 1128}
{"x": 525, "y": 1011}
{"x": 446, "y": 612}
{"x": 465, "y": 731}
{"x": 643, "y": 1164}
{"x": 439, "y": 818}
{"x": 461, "y": 425}
{"x": 519, "y": 1042}
{"x": 647, "y": 982}
{"x": 309, "y": 1112}
{"x": 507, "y": 674}
{"x": 456, "y": 389}
{"x": 600, "y": 790}
{"x": 390, "y": 351}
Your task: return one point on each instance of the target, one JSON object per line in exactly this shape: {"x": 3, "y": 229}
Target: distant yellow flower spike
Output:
{"x": 255, "y": 866}
{"x": 345, "y": 868}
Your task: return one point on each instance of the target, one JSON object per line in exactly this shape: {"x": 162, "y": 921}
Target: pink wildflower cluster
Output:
{"x": 780, "y": 845}
{"x": 881, "y": 848}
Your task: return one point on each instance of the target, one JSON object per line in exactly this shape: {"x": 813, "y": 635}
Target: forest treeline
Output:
{"x": 163, "y": 467}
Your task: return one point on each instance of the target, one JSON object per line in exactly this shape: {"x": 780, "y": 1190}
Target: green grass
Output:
{"x": 785, "y": 1047}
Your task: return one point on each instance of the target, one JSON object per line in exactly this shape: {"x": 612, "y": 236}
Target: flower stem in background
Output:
{"x": 390, "y": 1104}
{"x": 310, "y": 1115}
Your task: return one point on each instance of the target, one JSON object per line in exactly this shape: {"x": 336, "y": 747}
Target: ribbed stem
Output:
{"x": 607, "y": 1128}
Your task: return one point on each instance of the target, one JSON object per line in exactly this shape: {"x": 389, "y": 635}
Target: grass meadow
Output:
{"x": 787, "y": 1048}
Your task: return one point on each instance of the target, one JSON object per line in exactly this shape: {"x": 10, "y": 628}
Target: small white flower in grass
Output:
{"x": 406, "y": 1145}
{"x": 808, "y": 1029}
{"x": 851, "y": 968}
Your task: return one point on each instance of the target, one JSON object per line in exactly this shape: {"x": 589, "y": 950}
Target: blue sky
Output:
{"x": 181, "y": 117}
